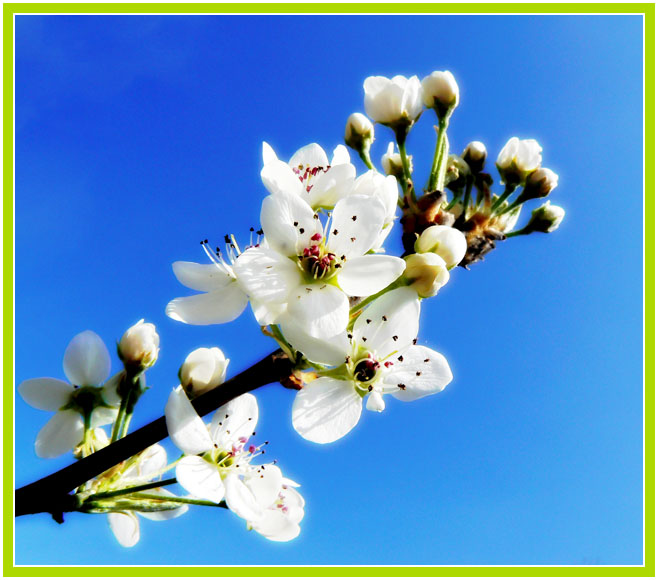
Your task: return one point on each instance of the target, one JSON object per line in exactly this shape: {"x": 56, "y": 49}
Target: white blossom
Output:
{"x": 314, "y": 268}
{"x": 427, "y": 273}
{"x": 440, "y": 91}
{"x": 359, "y": 132}
{"x": 445, "y": 241}
{"x": 309, "y": 174}
{"x": 203, "y": 370}
{"x": 517, "y": 159}
{"x": 393, "y": 101}
{"x": 86, "y": 365}
{"x": 140, "y": 345}
{"x": 378, "y": 357}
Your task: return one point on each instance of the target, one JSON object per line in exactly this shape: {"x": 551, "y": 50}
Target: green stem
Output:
{"x": 365, "y": 157}
{"x": 358, "y": 307}
{"x": 409, "y": 185}
{"x": 187, "y": 500}
{"x": 510, "y": 207}
{"x": 440, "y": 155}
{"x": 521, "y": 232}
{"x": 116, "y": 429}
{"x": 131, "y": 490}
{"x": 509, "y": 190}
{"x": 467, "y": 195}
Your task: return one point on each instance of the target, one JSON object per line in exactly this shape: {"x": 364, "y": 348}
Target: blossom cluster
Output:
{"x": 319, "y": 281}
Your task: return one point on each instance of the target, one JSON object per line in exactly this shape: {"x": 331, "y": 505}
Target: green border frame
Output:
{"x": 648, "y": 569}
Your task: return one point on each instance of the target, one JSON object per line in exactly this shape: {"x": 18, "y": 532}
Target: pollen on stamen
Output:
{"x": 426, "y": 360}
{"x": 402, "y": 386}
{"x": 353, "y": 218}
{"x": 368, "y": 321}
{"x": 384, "y": 318}
{"x": 415, "y": 340}
{"x": 388, "y": 363}
{"x": 395, "y": 337}
{"x": 400, "y": 358}
{"x": 418, "y": 373}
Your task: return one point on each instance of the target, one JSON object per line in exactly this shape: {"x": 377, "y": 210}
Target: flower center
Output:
{"x": 307, "y": 174}
{"x": 316, "y": 260}
{"x": 366, "y": 369}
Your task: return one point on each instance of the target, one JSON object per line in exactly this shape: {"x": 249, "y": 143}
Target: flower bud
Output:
{"x": 392, "y": 162}
{"x": 359, "y": 132}
{"x": 447, "y": 242}
{"x": 394, "y": 102}
{"x": 545, "y": 219}
{"x": 440, "y": 92}
{"x": 475, "y": 155}
{"x": 538, "y": 184}
{"x": 456, "y": 171}
{"x": 426, "y": 273}
{"x": 203, "y": 370}
{"x": 518, "y": 159}
{"x": 139, "y": 345}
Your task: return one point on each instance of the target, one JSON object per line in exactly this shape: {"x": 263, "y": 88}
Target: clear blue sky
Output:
{"x": 136, "y": 137}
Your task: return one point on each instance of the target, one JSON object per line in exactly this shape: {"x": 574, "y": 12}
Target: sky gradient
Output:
{"x": 137, "y": 137}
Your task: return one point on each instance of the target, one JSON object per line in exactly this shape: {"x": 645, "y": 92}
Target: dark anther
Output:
{"x": 384, "y": 318}
{"x": 301, "y": 230}
{"x": 418, "y": 373}
{"x": 400, "y": 358}
{"x": 335, "y": 232}
{"x": 402, "y": 386}
{"x": 353, "y": 218}
{"x": 395, "y": 337}
{"x": 295, "y": 224}
{"x": 415, "y": 340}
{"x": 426, "y": 360}
{"x": 227, "y": 240}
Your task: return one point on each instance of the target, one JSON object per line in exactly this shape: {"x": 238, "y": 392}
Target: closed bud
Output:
{"x": 392, "y": 162}
{"x": 203, "y": 370}
{"x": 539, "y": 184}
{"x": 448, "y": 243}
{"x": 475, "y": 155}
{"x": 456, "y": 171}
{"x": 359, "y": 132}
{"x": 426, "y": 273}
{"x": 518, "y": 159}
{"x": 545, "y": 219}
{"x": 139, "y": 346}
{"x": 440, "y": 92}
{"x": 395, "y": 102}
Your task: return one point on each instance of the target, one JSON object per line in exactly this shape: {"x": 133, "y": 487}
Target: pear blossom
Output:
{"x": 217, "y": 458}
{"x": 314, "y": 268}
{"x": 445, "y": 241}
{"x": 545, "y": 219}
{"x": 203, "y": 370}
{"x": 146, "y": 467}
{"x": 378, "y": 357}
{"x": 517, "y": 159}
{"x": 475, "y": 154}
{"x": 280, "y": 521}
{"x": 539, "y": 184}
{"x": 86, "y": 366}
{"x": 392, "y": 102}
{"x": 359, "y": 132}
{"x": 427, "y": 273}
{"x": 392, "y": 162}
{"x": 140, "y": 345}
{"x": 309, "y": 174}
{"x": 440, "y": 92}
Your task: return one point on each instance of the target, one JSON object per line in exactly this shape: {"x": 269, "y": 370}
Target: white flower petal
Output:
{"x": 341, "y": 156}
{"x": 86, "y": 360}
{"x": 390, "y": 323}
{"x": 367, "y": 275}
{"x": 354, "y": 237}
{"x": 276, "y": 526}
{"x": 323, "y": 310}
{"x": 45, "y": 394}
{"x": 375, "y": 402}
{"x": 268, "y": 154}
{"x": 165, "y": 514}
{"x": 328, "y": 351}
{"x": 152, "y": 460}
{"x": 267, "y": 313}
{"x": 241, "y": 500}
{"x": 233, "y": 421}
{"x": 110, "y": 389}
{"x": 266, "y": 275}
{"x": 326, "y": 410}
{"x": 311, "y": 155}
{"x": 200, "y": 478}
{"x": 278, "y": 178}
{"x": 266, "y": 485}
{"x": 103, "y": 416}
{"x": 331, "y": 186}
{"x": 186, "y": 429}
{"x": 423, "y": 371}
{"x": 288, "y": 223}
{"x": 61, "y": 434}
{"x": 215, "y": 307}
{"x": 202, "y": 277}
{"x": 125, "y": 527}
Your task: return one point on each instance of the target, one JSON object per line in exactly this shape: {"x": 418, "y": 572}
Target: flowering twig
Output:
{"x": 51, "y": 493}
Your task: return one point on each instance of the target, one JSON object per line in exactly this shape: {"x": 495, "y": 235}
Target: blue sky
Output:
{"x": 136, "y": 137}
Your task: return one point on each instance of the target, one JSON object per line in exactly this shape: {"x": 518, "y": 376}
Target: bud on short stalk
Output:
{"x": 441, "y": 93}
{"x": 475, "y": 154}
{"x": 392, "y": 162}
{"x": 203, "y": 370}
{"x": 426, "y": 273}
{"x": 545, "y": 219}
{"x": 538, "y": 184}
{"x": 139, "y": 346}
{"x": 517, "y": 159}
{"x": 359, "y": 132}
{"x": 448, "y": 243}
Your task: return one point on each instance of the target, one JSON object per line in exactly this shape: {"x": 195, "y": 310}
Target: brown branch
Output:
{"x": 51, "y": 494}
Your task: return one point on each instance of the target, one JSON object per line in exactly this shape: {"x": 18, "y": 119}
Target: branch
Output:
{"x": 51, "y": 493}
